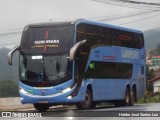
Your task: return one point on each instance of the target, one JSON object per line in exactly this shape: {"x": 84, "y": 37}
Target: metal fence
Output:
{"x": 152, "y": 94}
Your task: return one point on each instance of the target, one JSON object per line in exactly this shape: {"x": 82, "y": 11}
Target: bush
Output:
{"x": 8, "y": 88}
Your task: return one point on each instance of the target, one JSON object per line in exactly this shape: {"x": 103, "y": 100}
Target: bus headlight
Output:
{"x": 66, "y": 90}
{"x": 69, "y": 97}
{"x": 21, "y": 90}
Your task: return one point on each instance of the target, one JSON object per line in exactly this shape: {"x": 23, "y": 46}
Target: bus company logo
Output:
{"x": 43, "y": 92}
{"x": 38, "y": 42}
{"x": 130, "y": 54}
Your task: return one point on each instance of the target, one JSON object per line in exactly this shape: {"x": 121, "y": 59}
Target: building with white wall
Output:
{"x": 156, "y": 84}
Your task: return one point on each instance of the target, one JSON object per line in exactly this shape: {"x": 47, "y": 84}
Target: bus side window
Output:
{"x": 142, "y": 70}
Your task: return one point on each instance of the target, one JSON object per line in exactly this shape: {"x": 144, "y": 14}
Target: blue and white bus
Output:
{"x": 82, "y": 62}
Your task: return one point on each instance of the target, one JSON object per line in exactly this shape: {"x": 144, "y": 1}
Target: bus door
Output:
{"x": 96, "y": 86}
{"x": 91, "y": 76}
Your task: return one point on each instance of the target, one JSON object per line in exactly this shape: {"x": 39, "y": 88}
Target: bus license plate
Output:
{"x": 43, "y": 101}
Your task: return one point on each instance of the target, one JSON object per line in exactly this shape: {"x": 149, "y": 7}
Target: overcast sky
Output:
{"x": 15, "y": 14}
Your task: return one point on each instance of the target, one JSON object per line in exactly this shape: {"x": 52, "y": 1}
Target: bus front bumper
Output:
{"x": 57, "y": 98}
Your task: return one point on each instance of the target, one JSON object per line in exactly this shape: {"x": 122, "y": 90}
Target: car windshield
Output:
{"x": 38, "y": 70}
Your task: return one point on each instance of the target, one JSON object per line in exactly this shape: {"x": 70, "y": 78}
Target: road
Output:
{"x": 105, "y": 111}
{"x": 140, "y": 112}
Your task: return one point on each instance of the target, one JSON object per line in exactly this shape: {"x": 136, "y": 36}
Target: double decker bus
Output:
{"x": 82, "y": 62}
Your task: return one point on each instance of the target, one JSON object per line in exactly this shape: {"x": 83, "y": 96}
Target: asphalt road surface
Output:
{"x": 136, "y": 112}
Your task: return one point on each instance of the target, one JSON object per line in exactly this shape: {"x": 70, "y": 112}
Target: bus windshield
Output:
{"x": 53, "y": 39}
{"x": 40, "y": 71}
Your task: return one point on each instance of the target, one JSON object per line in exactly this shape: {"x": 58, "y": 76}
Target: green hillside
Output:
{"x": 8, "y": 72}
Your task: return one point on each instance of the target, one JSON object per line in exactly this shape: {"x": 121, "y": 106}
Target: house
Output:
{"x": 157, "y": 73}
{"x": 155, "y": 68}
{"x": 148, "y": 61}
{"x": 148, "y": 55}
{"x": 156, "y": 84}
{"x": 155, "y": 60}
{"x": 148, "y": 58}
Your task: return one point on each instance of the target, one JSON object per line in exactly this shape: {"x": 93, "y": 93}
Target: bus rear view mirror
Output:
{"x": 10, "y": 54}
{"x": 74, "y": 49}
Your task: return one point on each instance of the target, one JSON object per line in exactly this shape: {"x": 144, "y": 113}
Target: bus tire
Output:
{"x": 87, "y": 103}
{"x": 132, "y": 99}
{"x": 41, "y": 107}
{"x": 126, "y": 100}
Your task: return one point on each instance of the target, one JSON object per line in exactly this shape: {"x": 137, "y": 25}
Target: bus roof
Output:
{"x": 76, "y": 22}
{"x": 104, "y": 24}
{"x": 49, "y": 24}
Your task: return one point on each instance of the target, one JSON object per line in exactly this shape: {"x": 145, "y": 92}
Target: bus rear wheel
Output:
{"x": 41, "y": 107}
{"x": 87, "y": 103}
{"x": 127, "y": 98}
{"x": 125, "y": 102}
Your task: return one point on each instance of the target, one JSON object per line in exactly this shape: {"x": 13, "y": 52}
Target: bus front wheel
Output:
{"x": 41, "y": 107}
{"x": 87, "y": 103}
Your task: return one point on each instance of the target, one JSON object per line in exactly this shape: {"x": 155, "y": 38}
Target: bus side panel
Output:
{"x": 121, "y": 88}
{"x": 96, "y": 86}
{"x": 140, "y": 80}
{"x": 108, "y": 89}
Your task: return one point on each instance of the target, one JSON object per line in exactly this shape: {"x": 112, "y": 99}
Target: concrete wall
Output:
{"x": 13, "y": 103}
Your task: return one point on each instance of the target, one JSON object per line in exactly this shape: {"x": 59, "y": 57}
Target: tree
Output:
{"x": 149, "y": 75}
{"x": 156, "y": 51}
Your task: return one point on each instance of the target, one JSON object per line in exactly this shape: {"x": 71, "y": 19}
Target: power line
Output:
{"x": 9, "y": 44}
{"x": 140, "y": 19}
{"x": 113, "y": 2}
{"x": 127, "y": 15}
{"x": 120, "y": 24}
{"x": 11, "y": 29}
{"x": 109, "y": 16}
{"x": 10, "y": 33}
{"x": 138, "y": 2}
{"x": 104, "y": 19}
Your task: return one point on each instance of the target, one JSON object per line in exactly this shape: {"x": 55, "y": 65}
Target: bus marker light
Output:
{"x": 23, "y": 91}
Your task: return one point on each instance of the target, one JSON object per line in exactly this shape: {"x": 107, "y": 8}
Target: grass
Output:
{"x": 149, "y": 99}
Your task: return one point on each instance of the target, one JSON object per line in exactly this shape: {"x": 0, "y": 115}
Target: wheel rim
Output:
{"x": 132, "y": 97}
{"x": 127, "y": 98}
{"x": 87, "y": 100}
